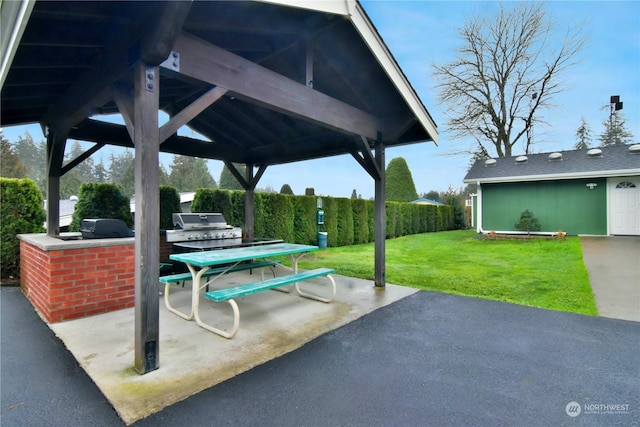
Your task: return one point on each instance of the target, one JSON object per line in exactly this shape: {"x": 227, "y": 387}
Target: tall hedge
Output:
{"x": 169, "y": 204}
{"x": 347, "y": 221}
{"x": 330, "y": 208}
{"x": 360, "y": 221}
{"x": 344, "y": 221}
{"x": 275, "y": 215}
{"x": 21, "y": 213}
{"x": 304, "y": 220}
{"x": 101, "y": 200}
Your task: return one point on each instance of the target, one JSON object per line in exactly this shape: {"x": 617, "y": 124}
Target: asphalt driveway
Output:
{"x": 428, "y": 359}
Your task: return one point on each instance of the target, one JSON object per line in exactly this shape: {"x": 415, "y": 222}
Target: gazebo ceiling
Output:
{"x": 288, "y": 83}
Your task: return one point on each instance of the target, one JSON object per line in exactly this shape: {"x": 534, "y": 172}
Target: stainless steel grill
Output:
{"x": 203, "y": 231}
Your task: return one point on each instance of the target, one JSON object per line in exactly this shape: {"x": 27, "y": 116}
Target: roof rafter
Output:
{"x": 254, "y": 83}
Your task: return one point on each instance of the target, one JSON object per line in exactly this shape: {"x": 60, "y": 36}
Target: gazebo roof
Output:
{"x": 276, "y": 82}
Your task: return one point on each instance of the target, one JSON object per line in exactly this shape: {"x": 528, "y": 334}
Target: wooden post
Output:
{"x": 56, "y": 141}
{"x": 147, "y": 220}
{"x": 249, "y": 206}
{"x": 381, "y": 218}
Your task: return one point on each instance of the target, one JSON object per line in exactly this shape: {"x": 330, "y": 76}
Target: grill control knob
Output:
{"x": 190, "y": 237}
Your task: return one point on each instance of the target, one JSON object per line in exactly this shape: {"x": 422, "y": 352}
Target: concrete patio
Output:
{"x": 192, "y": 359}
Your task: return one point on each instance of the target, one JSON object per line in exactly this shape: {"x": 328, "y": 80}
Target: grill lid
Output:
{"x": 104, "y": 228}
{"x": 199, "y": 221}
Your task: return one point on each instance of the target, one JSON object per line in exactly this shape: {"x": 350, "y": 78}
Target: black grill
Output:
{"x": 104, "y": 228}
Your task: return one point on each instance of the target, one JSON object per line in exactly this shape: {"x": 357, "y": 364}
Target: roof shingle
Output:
{"x": 615, "y": 160}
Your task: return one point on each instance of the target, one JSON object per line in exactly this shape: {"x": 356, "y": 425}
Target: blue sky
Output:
{"x": 420, "y": 33}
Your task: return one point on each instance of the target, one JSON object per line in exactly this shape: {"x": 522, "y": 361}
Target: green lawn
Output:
{"x": 539, "y": 273}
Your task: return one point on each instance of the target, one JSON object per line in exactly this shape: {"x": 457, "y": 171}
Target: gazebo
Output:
{"x": 266, "y": 82}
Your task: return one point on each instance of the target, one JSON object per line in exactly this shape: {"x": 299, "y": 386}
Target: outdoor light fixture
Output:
{"x": 592, "y": 185}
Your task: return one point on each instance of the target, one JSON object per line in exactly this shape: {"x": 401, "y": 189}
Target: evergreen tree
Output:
{"x": 100, "y": 172}
{"x": 228, "y": 181}
{"x": 33, "y": 157}
{"x": 118, "y": 165}
{"x": 128, "y": 180}
{"x": 399, "y": 186}
{"x": 615, "y": 132}
{"x": 286, "y": 189}
{"x": 10, "y": 164}
{"x": 70, "y": 183}
{"x": 583, "y": 134}
{"x": 86, "y": 169}
{"x": 354, "y": 195}
{"x": 190, "y": 173}
{"x": 433, "y": 195}
{"x": 83, "y": 173}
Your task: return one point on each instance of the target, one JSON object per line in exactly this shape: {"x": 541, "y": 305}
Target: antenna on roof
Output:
{"x": 614, "y": 105}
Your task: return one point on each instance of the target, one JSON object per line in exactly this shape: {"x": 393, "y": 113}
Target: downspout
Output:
{"x": 479, "y": 208}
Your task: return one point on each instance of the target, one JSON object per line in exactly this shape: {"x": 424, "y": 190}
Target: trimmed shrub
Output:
{"x": 304, "y": 220}
{"x": 392, "y": 219}
{"x": 21, "y": 213}
{"x": 360, "y": 221}
{"x": 236, "y": 217}
{"x": 211, "y": 200}
{"x": 344, "y": 222}
{"x": 101, "y": 200}
{"x": 528, "y": 222}
{"x": 277, "y": 216}
{"x": 330, "y": 208}
{"x": 416, "y": 226}
{"x": 169, "y": 204}
{"x": 347, "y": 221}
{"x": 371, "y": 211}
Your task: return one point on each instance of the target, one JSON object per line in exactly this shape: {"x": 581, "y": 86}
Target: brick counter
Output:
{"x": 70, "y": 279}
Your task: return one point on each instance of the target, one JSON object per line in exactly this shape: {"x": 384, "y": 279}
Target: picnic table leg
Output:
{"x": 167, "y": 289}
{"x": 316, "y": 297}
{"x": 195, "y": 293}
{"x": 236, "y": 322}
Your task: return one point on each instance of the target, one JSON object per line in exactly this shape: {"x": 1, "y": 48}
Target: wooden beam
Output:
{"x": 158, "y": 38}
{"x": 147, "y": 220}
{"x": 308, "y": 64}
{"x": 367, "y": 160}
{"x": 150, "y": 40}
{"x": 380, "y": 220}
{"x": 211, "y": 64}
{"x": 236, "y": 174}
{"x": 191, "y": 111}
{"x": 115, "y": 134}
{"x": 81, "y": 158}
{"x": 256, "y": 178}
{"x": 124, "y": 101}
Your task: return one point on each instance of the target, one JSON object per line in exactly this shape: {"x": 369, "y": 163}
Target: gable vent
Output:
{"x": 555, "y": 156}
{"x": 634, "y": 149}
{"x": 522, "y": 159}
{"x": 594, "y": 152}
{"x": 490, "y": 162}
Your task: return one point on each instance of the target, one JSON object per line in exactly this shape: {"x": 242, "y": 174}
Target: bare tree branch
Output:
{"x": 506, "y": 70}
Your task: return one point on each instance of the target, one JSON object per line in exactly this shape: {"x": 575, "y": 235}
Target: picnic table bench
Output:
{"x": 229, "y": 294}
{"x": 217, "y": 272}
{"x": 217, "y": 263}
